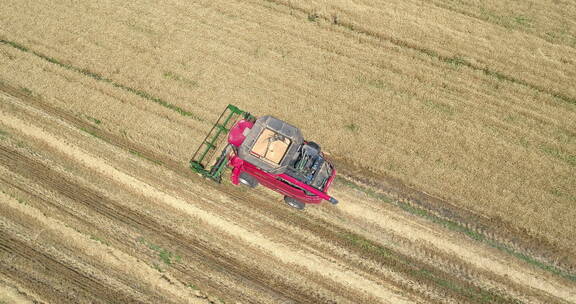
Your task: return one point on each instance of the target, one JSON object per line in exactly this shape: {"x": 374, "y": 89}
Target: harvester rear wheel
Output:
{"x": 294, "y": 203}
{"x": 314, "y": 145}
{"x": 248, "y": 180}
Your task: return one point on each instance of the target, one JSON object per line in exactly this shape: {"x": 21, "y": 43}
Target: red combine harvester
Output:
{"x": 266, "y": 151}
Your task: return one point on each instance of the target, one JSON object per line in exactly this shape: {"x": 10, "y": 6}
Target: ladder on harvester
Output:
{"x": 202, "y": 159}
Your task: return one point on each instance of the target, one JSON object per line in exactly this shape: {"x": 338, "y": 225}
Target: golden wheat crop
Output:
{"x": 472, "y": 106}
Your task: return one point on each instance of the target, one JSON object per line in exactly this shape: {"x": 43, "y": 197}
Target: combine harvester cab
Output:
{"x": 266, "y": 151}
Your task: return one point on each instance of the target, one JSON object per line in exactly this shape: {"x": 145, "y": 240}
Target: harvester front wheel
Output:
{"x": 294, "y": 203}
{"x": 248, "y": 180}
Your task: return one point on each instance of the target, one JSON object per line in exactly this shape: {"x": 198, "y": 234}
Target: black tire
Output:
{"x": 248, "y": 180}
{"x": 314, "y": 145}
{"x": 294, "y": 203}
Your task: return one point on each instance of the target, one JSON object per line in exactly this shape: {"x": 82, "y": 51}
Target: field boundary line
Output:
{"x": 452, "y": 60}
{"x": 96, "y": 76}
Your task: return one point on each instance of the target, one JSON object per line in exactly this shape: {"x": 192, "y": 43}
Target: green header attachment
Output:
{"x": 216, "y": 140}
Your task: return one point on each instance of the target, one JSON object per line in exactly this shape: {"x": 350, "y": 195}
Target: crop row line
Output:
{"x": 99, "y": 77}
{"x": 451, "y": 60}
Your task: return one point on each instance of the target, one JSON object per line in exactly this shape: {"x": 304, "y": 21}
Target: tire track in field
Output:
{"x": 92, "y": 257}
{"x": 514, "y": 272}
{"x": 338, "y": 239}
{"x": 493, "y": 272}
{"x": 50, "y": 179}
{"x": 451, "y": 60}
{"x": 496, "y": 233}
{"x": 11, "y": 294}
{"x": 350, "y": 294}
{"x": 183, "y": 274}
{"x": 91, "y": 287}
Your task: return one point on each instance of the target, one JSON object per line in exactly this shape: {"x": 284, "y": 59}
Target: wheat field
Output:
{"x": 470, "y": 107}
{"x": 471, "y": 102}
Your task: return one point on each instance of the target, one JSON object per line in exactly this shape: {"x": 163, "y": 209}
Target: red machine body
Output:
{"x": 281, "y": 181}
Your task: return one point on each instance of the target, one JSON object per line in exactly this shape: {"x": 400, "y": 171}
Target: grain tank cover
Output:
{"x": 271, "y": 145}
